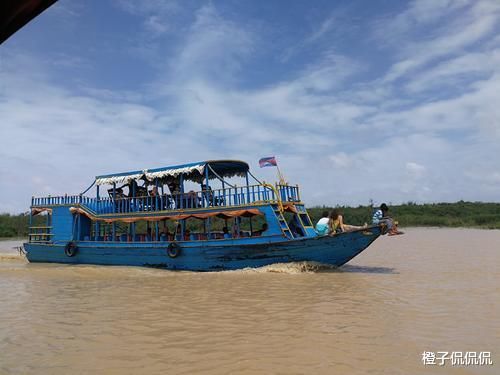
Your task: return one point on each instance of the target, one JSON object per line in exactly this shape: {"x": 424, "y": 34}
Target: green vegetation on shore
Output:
{"x": 459, "y": 214}
{"x": 17, "y": 225}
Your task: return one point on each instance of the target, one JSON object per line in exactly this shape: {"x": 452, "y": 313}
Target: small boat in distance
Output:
{"x": 153, "y": 218}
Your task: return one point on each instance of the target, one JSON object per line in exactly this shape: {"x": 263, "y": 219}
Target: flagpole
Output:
{"x": 280, "y": 176}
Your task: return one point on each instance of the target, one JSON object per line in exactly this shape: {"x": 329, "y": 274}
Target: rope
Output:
{"x": 255, "y": 178}
{"x": 93, "y": 183}
{"x": 219, "y": 177}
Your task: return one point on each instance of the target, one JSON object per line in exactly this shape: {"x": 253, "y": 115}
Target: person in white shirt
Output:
{"x": 322, "y": 224}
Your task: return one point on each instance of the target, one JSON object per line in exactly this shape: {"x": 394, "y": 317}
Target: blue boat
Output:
{"x": 152, "y": 218}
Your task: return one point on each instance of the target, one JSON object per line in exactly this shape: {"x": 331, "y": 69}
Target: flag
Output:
{"x": 268, "y": 162}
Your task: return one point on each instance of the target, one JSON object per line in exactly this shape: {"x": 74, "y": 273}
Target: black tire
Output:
{"x": 173, "y": 250}
{"x": 70, "y": 249}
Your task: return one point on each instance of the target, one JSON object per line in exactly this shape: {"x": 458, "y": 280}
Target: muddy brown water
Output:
{"x": 429, "y": 290}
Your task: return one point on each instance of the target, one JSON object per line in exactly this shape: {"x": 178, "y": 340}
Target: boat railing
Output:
{"x": 288, "y": 193}
{"x": 60, "y": 200}
{"x": 40, "y": 234}
{"x": 226, "y": 197}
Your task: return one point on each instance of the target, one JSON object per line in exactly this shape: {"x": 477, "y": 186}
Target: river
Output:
{"x": 430, "y": 290}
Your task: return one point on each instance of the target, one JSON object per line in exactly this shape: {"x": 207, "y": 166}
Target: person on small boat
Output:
{"x": 322, "y": 224}
{"x": 336, "y": 223}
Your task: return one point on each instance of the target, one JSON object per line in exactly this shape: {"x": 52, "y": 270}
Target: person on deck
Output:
{"x": 225, "y": 232}
{"x": 380, "y": 216}
{"x": 132, "y": 188}
{"x": 336, "y": 223}
{"x": 262, "y": 230}
{"x": 153, "y": 192}
{"x": 322, "y": 224}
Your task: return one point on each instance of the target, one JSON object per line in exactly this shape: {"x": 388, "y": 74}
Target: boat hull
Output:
{"x": 211, "y": 255}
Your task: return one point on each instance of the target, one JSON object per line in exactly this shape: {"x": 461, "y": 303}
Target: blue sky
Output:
{"x": 385, "y": 100}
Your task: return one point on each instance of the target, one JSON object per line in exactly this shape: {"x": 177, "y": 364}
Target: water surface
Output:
{"x": 429, "y": 290}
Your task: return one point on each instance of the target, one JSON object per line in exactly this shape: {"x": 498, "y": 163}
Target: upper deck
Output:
{"x": 164, "y": 190}
{"x": 228, "y": 197}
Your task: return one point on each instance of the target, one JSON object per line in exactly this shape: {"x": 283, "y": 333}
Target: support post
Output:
{"x": 248, "y": 188}
{"x": 97, "y": 231}
{"x": 224, "y": 194}
{"x": 207, "y": 198}
{"x": 114, "y": 197}
{"x": 206, "y": 185}
{"x": 156, "y": 197}
{"x": 79, "y": 227}
{"x": 182, "y": 199}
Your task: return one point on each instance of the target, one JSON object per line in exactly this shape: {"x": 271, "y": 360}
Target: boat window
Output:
{"x": 168, "y": 230}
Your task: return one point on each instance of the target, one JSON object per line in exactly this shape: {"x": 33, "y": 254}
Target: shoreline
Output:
{"x": 24, "y": 239}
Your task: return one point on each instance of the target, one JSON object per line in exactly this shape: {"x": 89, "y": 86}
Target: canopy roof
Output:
{"x": 193, "y": 172}
{"x": 223, "y": 214}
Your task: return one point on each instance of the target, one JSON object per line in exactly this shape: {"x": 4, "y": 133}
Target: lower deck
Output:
{"x": 209, "y": 254}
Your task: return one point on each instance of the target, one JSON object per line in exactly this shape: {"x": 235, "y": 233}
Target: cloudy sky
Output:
{"x": 358, "y": 100}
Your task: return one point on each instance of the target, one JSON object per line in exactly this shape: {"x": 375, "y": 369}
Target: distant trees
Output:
{"x": 13, "y": 225}
{"x": 411, "y": 214}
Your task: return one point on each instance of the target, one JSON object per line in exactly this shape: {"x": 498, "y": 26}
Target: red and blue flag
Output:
{"x": 268, "y": 162}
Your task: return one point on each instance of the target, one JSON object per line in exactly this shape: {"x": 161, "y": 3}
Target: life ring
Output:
{"x": 70, "y": 249}
{"x": 173, "y": 250}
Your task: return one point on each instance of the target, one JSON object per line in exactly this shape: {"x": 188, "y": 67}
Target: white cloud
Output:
{"x": 468, "y": 27}
{"x": 343, "y": 137}
{"x": 415, "y": 170}
{"x": 157, "y": 13}
{"x": 214, "y": 47}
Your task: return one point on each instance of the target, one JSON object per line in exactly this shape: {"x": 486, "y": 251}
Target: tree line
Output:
{"x": 458, "y": 214}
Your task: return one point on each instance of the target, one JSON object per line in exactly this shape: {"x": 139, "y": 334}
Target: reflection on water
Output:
{"x": 430, "y": 290}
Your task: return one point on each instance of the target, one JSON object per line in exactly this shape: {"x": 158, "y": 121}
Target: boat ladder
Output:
{"x": 281, "y": 219}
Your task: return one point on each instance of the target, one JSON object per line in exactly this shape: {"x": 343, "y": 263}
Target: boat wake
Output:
{"x": 12, "y": 258}
{"x": 291, "y": 268}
